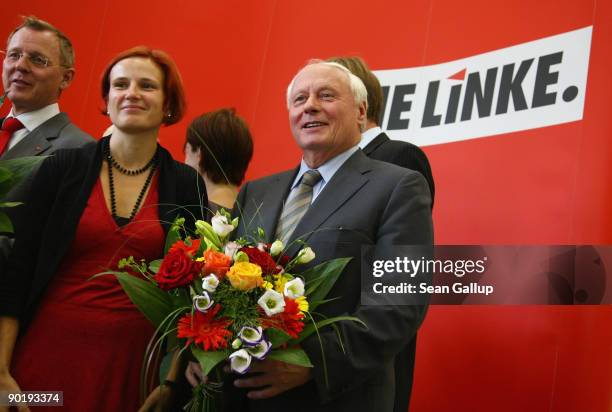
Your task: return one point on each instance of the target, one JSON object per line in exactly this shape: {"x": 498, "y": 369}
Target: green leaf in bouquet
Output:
{"x": 5, "y": 174}
{"x": 5, "y": 223}
{"x": 320, "y": 302}
{"x": 312, "y": 327}
{"x": 294, "y": 356}
{"x": 6, "y": 181}
{"x": 22, "y": 166}
{"x": 208, "y": 359}
{"x": 180, "y": 297}
{"x": 321, "y": 278}
{"x": 174, "y": 234}
{"x": 10, "y": 204}
{"x": 153, "y": 302}
{"x": 277, "y": 337}
{"x": 154, "y": 265}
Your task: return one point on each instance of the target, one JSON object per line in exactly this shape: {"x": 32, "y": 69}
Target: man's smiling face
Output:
{"x": 324, "y": 117}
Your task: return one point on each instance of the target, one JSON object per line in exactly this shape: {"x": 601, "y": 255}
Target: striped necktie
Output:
{"x": 296, "y": 205}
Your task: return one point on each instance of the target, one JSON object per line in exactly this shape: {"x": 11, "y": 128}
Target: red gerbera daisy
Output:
{"x": 289, "y": 321}
{"x": 204, "y": 330}
{"x": 190, "y": 250}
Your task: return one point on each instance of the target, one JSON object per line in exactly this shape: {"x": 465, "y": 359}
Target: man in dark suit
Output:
{"x": 377, "y": 145}
{"x": 374, "y": 142}
{"x": 337, "y": 200}
{"x": 38, "y": 65}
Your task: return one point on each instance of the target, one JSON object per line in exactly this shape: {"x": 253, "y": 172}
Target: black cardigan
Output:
{"x": 46, "y": 225}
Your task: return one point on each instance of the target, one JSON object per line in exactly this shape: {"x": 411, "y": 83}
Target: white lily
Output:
{"x": 210, "y": 283}
{"x": 203, "y": 302}
{"x": 251, "y": 336}
{"x": 272, "y": 302}
{"x": 220, "y": 225}
{"x": 260, "y": 350}
{"x": 240, "y": 361}
{"x": 294, "y": 288}
{"x": 305, "y": 255}
{"x": 231, "y": 248}
{"x": 276, "y": 248}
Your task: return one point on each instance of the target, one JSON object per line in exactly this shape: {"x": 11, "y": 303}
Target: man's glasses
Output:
{"x": 37, "y": 60}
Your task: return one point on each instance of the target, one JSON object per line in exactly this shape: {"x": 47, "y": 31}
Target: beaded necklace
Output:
{"x": 112, "y": 163}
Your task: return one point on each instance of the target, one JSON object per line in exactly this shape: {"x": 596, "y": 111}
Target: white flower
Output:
{"x": 202, "y": 302}
{"x": 260, "y": 350}
{"x": 251, "y": 336}
{"x": 240, "y": 361}
{"x": 272, "y": 302}
{"x": 294, "y": 288}
{"x": 231, "y": 248}
{"x": 305, "y": 255}
{"x": 261, "y": 247}
{"x": 210, "y": 283}
{"x": 276, "y": 248}
{"x": 220, "y": 225}
{"x": 236, "y": 343}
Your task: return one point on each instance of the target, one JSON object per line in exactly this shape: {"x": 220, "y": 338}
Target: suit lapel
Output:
{"x": 39, "y": 139}
{"x": 349, "y": 179}
{"x": 373, "y": 145}
{"x": 266, "y": 207}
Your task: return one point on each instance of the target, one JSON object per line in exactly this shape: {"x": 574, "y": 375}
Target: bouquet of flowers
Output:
{"x": 237, "y": 300}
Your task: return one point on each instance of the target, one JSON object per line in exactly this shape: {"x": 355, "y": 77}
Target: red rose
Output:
{"x": 217, "y": 263}
{"x": 263, "y": 259}
{"x": 282, "y": 259}
{"x": 177, "y": 269}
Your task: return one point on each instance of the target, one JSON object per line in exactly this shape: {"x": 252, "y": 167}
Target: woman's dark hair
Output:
{"x": 225, "y": 144}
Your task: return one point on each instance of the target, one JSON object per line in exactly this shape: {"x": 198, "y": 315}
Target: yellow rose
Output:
{"x": 245, "y": 276}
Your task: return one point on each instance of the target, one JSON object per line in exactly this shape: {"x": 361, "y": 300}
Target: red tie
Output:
{"x": 10, "y": 126}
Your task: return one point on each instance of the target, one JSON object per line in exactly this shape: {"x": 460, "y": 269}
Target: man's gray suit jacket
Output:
{"x": 367, "y": 202}
{"x": 56, "y": 133}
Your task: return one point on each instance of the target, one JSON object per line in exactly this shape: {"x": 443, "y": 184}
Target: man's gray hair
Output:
{"x": 355, "y": 84}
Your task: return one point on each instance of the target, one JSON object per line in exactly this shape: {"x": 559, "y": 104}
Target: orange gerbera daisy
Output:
{"x": 202, "y": 329}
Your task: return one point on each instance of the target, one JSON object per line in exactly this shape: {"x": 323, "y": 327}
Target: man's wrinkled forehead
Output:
{"x": 318, "y": 76}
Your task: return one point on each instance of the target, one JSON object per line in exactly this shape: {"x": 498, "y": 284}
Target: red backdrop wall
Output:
{"x": 542, "y": 186}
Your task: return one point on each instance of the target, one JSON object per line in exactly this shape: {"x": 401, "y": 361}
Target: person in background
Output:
{"x": 59, "y": 328}
{"x": 376, "y": 145}
{"x": 219, "y": 146}
{"x": 374, "y": 142}
{"x": 37, "y": 66}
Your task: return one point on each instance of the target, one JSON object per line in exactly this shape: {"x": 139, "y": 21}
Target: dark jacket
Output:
{"x": 403, "y": 154}
{"x": 46, "y": 225}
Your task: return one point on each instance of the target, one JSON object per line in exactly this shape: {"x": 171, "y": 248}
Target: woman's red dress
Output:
{"x": 87, "y": 338}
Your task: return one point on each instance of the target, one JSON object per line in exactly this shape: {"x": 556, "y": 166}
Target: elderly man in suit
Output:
{"x": 38, "y": 65}
{"x": 377, "y": 145}
{"x": 336, "y": 200}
